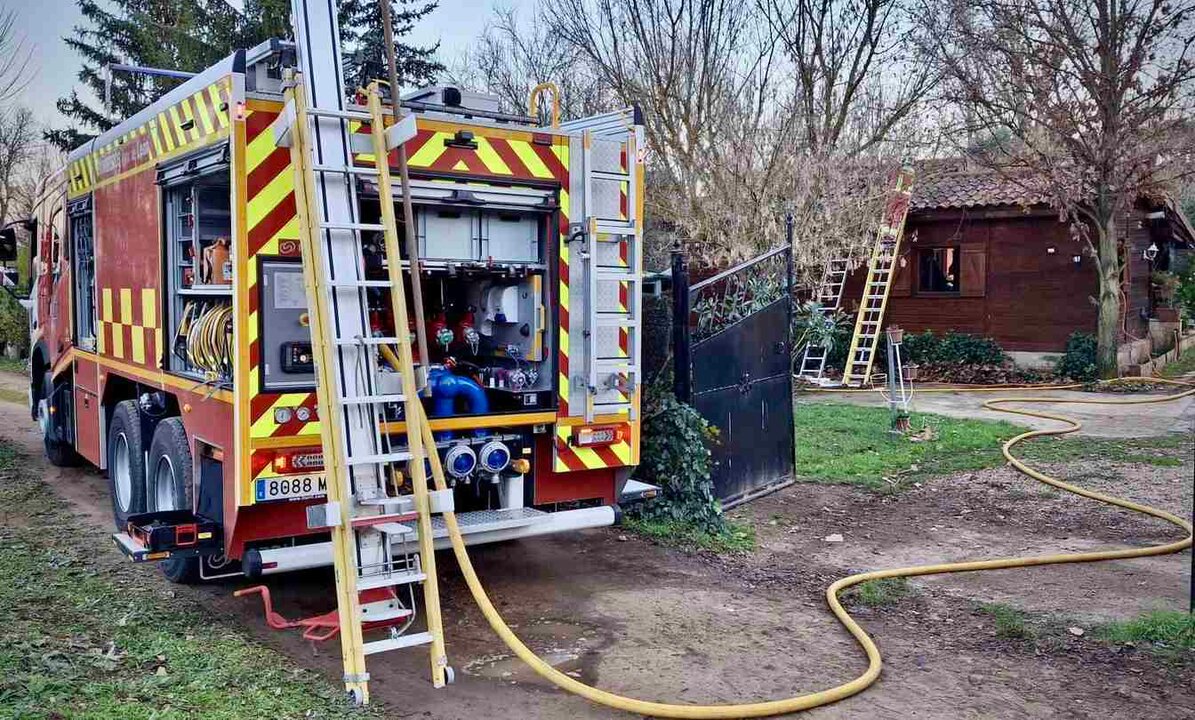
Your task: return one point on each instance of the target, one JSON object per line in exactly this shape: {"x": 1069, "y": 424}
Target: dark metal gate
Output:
{"x": 740, "y": 380}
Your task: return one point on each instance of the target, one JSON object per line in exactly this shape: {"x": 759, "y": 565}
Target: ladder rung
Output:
{"x": 340, "y": 114}
{"x": 607, "y": 175}
{"x": 398, "y": 643}
{"x": 615, "y": 321}
{"x": 358, "y": 283}
{"x": 393, "y": 528}
{"x": 369, "y": 582}
{"x": 380, "y": 459}
{"x": 610, "y": 228}
{"x": 344, "y": 342}
{"x": 344, "y": 170}
{"x": 372, "y": 399}
{"x": 609, "y": 276}
{"x": 361, "y": 227}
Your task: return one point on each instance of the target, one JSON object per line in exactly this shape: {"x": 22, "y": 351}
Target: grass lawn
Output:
{"x": 12, "y": 366}
{"x": 851, "y": 444}
{"x": 84, "y": 634}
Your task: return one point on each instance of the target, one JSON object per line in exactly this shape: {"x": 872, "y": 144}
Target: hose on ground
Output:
{"x": 874, "y": 663}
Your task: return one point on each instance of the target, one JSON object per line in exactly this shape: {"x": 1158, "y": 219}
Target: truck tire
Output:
{"x": 59, "y": 452}
{"x": 171, "y": 488}
{"x": 126, "y": 463}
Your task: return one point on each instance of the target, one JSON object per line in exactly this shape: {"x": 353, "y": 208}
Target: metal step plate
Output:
{"x": 477, "y": 521}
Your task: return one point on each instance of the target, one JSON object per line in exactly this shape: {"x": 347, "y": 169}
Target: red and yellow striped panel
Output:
{"x": 569, "y": 458}
{"x": 272, "y": 230}
{"x": 497, "y": 153}
{"x": 195, "y": 121}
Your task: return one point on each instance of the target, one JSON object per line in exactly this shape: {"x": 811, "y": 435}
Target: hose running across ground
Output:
{"x": 824, "y": 697}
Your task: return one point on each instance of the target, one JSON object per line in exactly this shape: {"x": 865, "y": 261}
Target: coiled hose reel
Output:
{"x": 204, "y": 338}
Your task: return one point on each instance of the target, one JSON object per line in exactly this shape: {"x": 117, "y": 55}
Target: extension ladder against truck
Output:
{"x": 372, "y": 526}
{"x": 880, "y": 268}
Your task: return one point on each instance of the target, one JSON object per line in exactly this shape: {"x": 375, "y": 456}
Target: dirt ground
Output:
{"x": 652, "y": 622}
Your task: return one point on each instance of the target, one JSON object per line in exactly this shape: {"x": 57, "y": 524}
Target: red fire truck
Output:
{"x": 170, "y": 345}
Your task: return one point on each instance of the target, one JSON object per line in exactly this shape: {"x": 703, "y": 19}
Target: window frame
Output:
{"x": 919, "y": 287}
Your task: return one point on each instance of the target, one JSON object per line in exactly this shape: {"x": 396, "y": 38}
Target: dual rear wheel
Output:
{"x": 153, "y": 479}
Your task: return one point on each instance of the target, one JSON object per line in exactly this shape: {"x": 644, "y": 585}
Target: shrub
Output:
{"x": 952, "y": 348}
{"x": 812, "y": 326}
{"x": 1079, "y": 360}
{"x": 14, "y": 326}
{"x": 675, "y": 456}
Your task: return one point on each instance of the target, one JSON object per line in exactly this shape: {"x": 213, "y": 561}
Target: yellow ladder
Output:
{"x": 372, "y": 542}
{"x": 880, "y": 268}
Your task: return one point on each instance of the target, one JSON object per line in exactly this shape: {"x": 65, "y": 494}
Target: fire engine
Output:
{"x": 170, "y": 335}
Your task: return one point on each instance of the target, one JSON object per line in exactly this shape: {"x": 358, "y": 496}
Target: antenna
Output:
{"x": 136, "y": 70}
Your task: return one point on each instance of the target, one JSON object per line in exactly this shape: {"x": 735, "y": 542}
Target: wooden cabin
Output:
{"x": 980, "y": 258}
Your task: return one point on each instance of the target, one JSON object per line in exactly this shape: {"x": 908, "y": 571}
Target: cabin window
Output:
{"x": 938, "y": 269}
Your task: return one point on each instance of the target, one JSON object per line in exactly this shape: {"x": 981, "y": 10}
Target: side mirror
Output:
{"x": 8, "y": 244}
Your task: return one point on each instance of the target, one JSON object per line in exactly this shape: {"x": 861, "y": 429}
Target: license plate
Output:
{"x": 291, "y": 487}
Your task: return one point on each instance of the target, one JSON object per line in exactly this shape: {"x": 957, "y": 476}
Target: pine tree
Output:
{"x": 191, "y": 35}
{"x": 362, "y": 41}
{"x": 186, "y": 35}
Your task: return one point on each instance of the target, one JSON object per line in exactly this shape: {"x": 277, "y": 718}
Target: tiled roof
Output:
{"x": 955, "y": 183}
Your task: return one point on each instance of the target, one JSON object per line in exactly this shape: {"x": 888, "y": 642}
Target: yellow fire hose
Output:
{"x": 824, "y": 697}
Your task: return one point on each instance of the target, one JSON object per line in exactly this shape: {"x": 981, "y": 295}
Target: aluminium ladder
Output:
{"x": 829, "y": 297}
{"x": 370, "y": 526}
{"x": 612, "y": 258}
{"x": 880, "y": 269}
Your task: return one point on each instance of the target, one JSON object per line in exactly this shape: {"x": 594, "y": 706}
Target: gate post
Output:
{"x": 682, "y": 364}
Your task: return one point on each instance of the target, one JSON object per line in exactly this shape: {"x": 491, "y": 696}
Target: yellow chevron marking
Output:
{"x": 178, "y": 114}
{"x": 431, "y": 150}
{"x": 257, "y": 151}
{"x": 201, "y": 109}
{"x": 289, "y": 231}
{"x": 221, "y": 116}
{"x": 489, "y": 156}
{"x": 106, "y": 303}
{"x": 164, "y": 128}
{"x": 157, "y": 142}
{"x": 269, "y": 197}
{"x": 530, "y": 159}
{"x": 460, "y": 166}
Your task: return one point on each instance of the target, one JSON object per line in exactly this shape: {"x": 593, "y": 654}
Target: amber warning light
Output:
{"x": 597, "y": 436}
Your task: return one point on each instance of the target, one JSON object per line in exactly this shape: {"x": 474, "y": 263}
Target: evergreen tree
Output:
{"x": 362, "y": 41}
{"x": 191, "y": 35}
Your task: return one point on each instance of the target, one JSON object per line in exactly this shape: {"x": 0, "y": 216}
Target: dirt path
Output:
{"x": 652, "y": 622}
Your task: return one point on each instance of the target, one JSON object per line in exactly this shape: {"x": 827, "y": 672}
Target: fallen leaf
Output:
{"x": 1076, "y": 631}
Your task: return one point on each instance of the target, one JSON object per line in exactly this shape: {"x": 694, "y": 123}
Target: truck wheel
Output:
{"x": 126, "y": 463}
{"x": 170, "y": 488}
{"x": 59, "y": 452}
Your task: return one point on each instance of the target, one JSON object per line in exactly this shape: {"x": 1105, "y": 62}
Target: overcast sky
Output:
{"x": 45, "y": 22}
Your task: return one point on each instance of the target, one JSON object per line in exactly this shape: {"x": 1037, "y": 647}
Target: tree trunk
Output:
{"x": 1108, "y": 326}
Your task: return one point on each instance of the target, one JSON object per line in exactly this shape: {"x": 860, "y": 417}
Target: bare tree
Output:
{"x": 1085, "y": 104}
{"x": 18, "y": 144}
{"x": 511, "y": 56}
{"x": 16, "y": 58}
{"x": 856, "y": 74}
